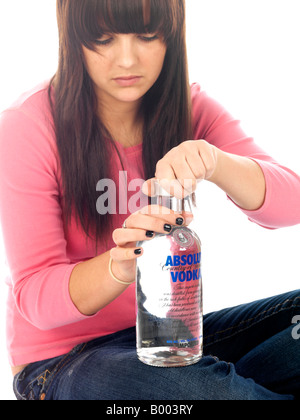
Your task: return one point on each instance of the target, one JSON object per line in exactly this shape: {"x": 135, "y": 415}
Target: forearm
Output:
{"x": 92, "y": 287}
{"x": 241, "y": 179}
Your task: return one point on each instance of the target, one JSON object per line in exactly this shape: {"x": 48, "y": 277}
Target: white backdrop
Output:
{"x": 244, "y": 53}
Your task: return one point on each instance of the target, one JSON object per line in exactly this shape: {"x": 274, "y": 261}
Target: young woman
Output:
{"x": 119, "y": 103}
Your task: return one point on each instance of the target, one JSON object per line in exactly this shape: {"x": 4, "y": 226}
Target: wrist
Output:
{"x": 118, "y": 275}
{"x": 216, "y": 175}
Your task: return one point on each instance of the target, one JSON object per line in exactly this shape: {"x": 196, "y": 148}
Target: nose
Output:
{"x": 127, "y": 55}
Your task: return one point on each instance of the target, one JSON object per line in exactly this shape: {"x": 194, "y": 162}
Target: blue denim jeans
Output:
{"x": 251, "y": 352}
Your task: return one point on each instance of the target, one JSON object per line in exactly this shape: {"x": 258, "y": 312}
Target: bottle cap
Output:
{"x": 167, "y": 200}
{"x": 160, "y": 191}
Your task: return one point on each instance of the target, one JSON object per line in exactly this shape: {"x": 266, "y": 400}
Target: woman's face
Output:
{"x": 125, "y": 66}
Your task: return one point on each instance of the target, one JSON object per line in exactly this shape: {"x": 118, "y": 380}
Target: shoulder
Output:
{"x": 32, "y": 97}
{"x": 26, "y": 127}
{"x": 201, "y": 101}
{"x": 29, "y": 115}
{"x": 32, "y": 107}
{"x": 206, "y": 112}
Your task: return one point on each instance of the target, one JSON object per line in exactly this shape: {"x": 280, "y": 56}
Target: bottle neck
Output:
{"x": 164, "y": 199}
{"x": 175, "y": 204}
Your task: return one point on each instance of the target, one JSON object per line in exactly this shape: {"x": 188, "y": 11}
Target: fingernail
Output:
{"x": 168, "y": 228}
{"x": 179, "y": 221}
{"x": 149, "y": 234}
{"x": 138, "y": 251}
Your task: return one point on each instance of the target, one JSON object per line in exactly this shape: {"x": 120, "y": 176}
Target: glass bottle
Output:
{"x": 169, "y": 293}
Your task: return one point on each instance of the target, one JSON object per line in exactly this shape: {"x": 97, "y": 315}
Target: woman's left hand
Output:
{"x": 179, "y": 171}
{"x": 184, "y": 166}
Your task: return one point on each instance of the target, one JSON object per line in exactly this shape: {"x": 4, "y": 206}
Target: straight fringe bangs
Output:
{"x": 93, "y": 18}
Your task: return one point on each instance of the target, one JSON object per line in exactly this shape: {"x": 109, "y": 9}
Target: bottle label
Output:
{"x": 184, "y": 267}
{"x": 184, "y": 299}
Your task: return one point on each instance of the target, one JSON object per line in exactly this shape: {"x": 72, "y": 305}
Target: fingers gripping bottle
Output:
{"x": 169, "y": 294}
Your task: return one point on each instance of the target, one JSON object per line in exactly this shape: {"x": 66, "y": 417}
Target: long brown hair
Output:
{"x": 82, "y": 139}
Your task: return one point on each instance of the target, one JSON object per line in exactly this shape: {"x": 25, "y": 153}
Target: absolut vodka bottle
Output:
{"x": 169, "y": 294}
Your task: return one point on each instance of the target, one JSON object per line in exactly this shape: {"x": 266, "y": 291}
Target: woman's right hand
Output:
{"x": 141, "y": 226}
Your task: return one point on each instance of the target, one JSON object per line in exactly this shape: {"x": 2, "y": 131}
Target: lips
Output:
{"x": 126, "y": 77}
{"x": 127, "y": 80}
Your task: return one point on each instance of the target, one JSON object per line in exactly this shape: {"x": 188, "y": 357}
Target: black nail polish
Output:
{"x": 138, "y": 251}
{"x": 149, "y": 234}
{"x": 168, "y": 228}
{"x": 179, "y": 221}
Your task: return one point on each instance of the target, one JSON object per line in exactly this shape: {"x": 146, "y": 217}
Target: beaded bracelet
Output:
{"x": 115, "y": 278}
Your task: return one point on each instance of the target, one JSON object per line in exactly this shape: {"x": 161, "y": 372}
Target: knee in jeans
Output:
{"x": 219, "y": 381}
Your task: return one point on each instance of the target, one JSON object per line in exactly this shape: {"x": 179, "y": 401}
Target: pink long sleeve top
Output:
{"x": 42, "y": 321}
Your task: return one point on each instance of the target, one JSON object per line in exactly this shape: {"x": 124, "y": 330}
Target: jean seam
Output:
{"x": 16, "y": 379}
{"x": 58, "y": 369}
{"x": 239, "y": 330}
{"x": 62, "y": 364}
{"x": 36, "y": 379}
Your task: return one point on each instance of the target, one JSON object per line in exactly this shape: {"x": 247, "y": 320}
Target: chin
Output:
{"x": 129, "y": 98}
{"x": 131, "y": 94}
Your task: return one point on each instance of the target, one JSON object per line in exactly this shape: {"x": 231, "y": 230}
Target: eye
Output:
{"x": 103, "y": 41}
{"x": 148, "y": 38}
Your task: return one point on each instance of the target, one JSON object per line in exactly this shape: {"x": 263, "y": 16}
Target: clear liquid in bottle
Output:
{"x": 169, "y": 295}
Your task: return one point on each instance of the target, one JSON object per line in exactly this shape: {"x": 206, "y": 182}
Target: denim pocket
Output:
{"x": 34, "y": 381}
{"x": 29, "y": 383}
